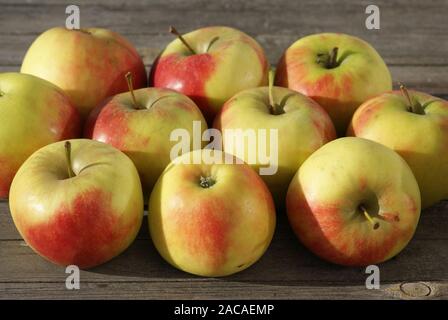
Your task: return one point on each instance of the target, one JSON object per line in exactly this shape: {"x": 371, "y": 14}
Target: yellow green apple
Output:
{"x": 301, "y": 127}
{"x": 415, "y": 125}
{"x": 88, "y": 64}
{"x": 142, "y": 128}
{"x": 354, "y": 202}
{"x": 77, "y": 202}
{"x": 33, "y": 113}
{"x": 210, "y": 65}
{"x": 210, "y": 217}
{"x": 337, "y": 70}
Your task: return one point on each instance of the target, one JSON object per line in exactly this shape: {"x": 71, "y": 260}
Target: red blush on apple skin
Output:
{"x": 325, "y": 224}
{"x": 6, "y": 178}
{"x": 111, "y": 126}
{"x": 85, "y": 234}
{"x": 187, "y": 75}
{"x": 204, "y": 232}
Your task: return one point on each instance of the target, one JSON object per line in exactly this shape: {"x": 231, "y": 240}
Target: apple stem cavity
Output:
{"x": 68, "y": 151}
{"x": 206, "y": 182}
{"x": 330, "y": 60}
{"x": 374, "y": 224}
{"x": 413, "y": 107}
{"x": 173, "y": 30}
{"x": 131, "y": 89}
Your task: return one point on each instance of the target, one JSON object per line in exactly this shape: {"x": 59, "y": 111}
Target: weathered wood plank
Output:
{"x": 411, "y": 32}
{"x": 286, "y": 260}
{"x": 224, "y": 289}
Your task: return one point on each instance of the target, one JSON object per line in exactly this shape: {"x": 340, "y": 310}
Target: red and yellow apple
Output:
{"x": 210, "y": 65}
{"x": 302, "y": 127}
{"x": 88, "y": 64}
{"x": 338, "y": 71}
{"x": 415, "y": 125}
{"x": 210, "y": 218}
{"x": 33, "y": 113}
{"x": 142, "y": 129}
{"x": 354, "y": 202}
{"x": 77, "y": 202}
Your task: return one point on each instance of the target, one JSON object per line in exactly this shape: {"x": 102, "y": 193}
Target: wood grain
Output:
{"x": 223, "y": 289}
{"x": 411, "y": 33}
{"x": 286, "y": 264}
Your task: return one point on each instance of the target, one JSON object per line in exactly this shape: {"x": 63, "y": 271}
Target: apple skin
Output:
{"x": 422, "y": 140}
{"x": 211, "y": 231}
{"x": 302, "y": 129}
{"x": 361, "y": 74}
{"x": 144, "y": 134}
{"x": 34, "y": 113}
{"x": 88, "y": 64}
{"x": 324, "y": 197}
{"x": 234, "y": 62}
{"x": 85, "y": 220}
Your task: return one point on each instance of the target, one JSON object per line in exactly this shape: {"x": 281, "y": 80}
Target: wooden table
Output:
{"x": 413, "y": 41}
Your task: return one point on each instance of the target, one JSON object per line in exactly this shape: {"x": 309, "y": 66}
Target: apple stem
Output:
{"x": 211, "y": 43}
{"x": 271, "y": 86}
{"x": 83, "y": 31}
{"x": 413, "y": 107}
{"x": 173, "y": 30}
{"x": 131, "y": 88}
{"x": 273, "y": 107}
{"x": 374, "y": 224}
{"x": 332, "y": 61}
{"x": 68, "y": 150}
{"x": 158, "y": 99}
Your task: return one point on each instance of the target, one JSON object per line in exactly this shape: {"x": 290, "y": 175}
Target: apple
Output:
{"x": 210, "y": 65}
{"x": 77, "y": 202}
{"x": 337, "y": 70}
{"x": 33, "y": 113}
{"x": 302, "y": 127}
{"x": 415, "y": 125}
{"x": 88, "y": 64}
{"x": 354, "y": 202}
{"x": 209, "y": 217}
{"x": 140, "y": 123}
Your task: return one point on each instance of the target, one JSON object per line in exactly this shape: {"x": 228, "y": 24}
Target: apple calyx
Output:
{"x": 374, "y": 224}
{"x": 129, "y": 81}
{"x": 274, "y": 108}
{"x": 329, "y": 61}
{"x": 414, "y": 107}
{"x": 173, "y": 30}
{"x": 206, "y": 182}
{"x": 68, "y": 151}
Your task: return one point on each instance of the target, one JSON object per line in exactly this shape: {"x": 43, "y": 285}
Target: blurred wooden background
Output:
{"x": 413, "y": 41}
